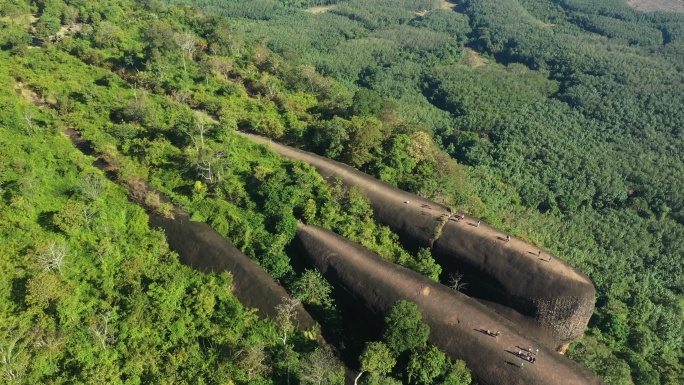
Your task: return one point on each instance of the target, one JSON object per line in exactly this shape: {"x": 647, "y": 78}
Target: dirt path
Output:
{"x": 456, "y": 321}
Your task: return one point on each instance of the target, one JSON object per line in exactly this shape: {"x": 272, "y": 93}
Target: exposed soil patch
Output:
{"x": 28, "y": 94}
{"x": 473, "y": 59}
{"x": 658, "y": 5}
{"x": 202, "y": 115}
{"x": 448, "y": 5}
{"x": 317, "y": 10}
{"x": 458, "y": 324}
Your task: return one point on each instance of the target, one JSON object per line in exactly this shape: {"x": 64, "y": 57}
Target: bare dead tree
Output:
{"x": 208, "y": 163}
{"x": 91, "y": 186}
{"x": 53, "y": 257}
{"x": 456, "y": 281}
{"x": 253, "y": 360}
{"x": 187, "y": 43}
{"x": 235, "y": 44}
{"x": 319, "y": 367}
{"x": 205, "y": 171}
{"x": 222, "y": 66}
{"x": 89, "y": 213}
{"x": 200, "y": 130}
{"x": 13, "y": 358}
{"x": 285, "y": 314}
{"x": 271, "y": 87}
{"x": 100, "y": 329}
{"x": 50, "y": 341}
{"x": 7, "y": 352}
{"x": 214, "y": 48}
{"x": 28, "y": 117}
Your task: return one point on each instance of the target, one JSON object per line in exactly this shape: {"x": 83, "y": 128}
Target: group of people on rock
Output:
{"x": 460, "y": 217}
{"x": 527, "y": 356}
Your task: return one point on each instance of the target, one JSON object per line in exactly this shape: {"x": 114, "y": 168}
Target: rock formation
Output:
{"x": 539, "y": 291}
{"x": 202, "y": 248}
{"x": 457, "y": 322}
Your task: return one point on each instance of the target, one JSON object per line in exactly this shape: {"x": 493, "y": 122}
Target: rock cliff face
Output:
{"x": 202, "y": 248}
{"x": 547, "y": 296}
{"x": 456, "y": 321}
{"x": 516, "y": 274}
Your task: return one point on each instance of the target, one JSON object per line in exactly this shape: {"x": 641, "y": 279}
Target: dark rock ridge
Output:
{"x": 202, "y": 248}
{"x": 455, "y": 319}
{"x": 548, "y": 297}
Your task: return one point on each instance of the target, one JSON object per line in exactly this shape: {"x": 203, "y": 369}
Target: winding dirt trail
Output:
{"x": 456, "y": 321}
{"x": 553, "y": 299}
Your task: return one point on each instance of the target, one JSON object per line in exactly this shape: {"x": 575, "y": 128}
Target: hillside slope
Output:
{"x": 558, "y": 298}
{"x": 455, "y": 320}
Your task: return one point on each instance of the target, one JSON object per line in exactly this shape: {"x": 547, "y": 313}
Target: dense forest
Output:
{"x": 557, "y": 121}
{"x": 568, "y": 115}
{"x": 90, "y": 292}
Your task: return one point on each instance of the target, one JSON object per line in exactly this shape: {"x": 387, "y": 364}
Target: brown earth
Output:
{"x": 317, "y": 10}
{"x": 550, "y": 298}
{"x": 473, "y": 59}
{"x": 657, "y": 5}
{"x": 457, "y": 322}
{"x": 447, "y": 5}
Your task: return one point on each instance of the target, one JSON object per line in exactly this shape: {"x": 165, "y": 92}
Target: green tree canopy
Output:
{"x": 404, "y": 329}
{"x": 377, "y": 359}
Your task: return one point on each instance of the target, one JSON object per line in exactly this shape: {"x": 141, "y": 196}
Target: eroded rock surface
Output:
{"x": 202, "y": 248}
{"x": 455, "y": 320}
{"x": 548, "y": 297}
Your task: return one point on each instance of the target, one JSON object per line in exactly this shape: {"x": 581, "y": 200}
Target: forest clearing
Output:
{"x": 658, "y": 5}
